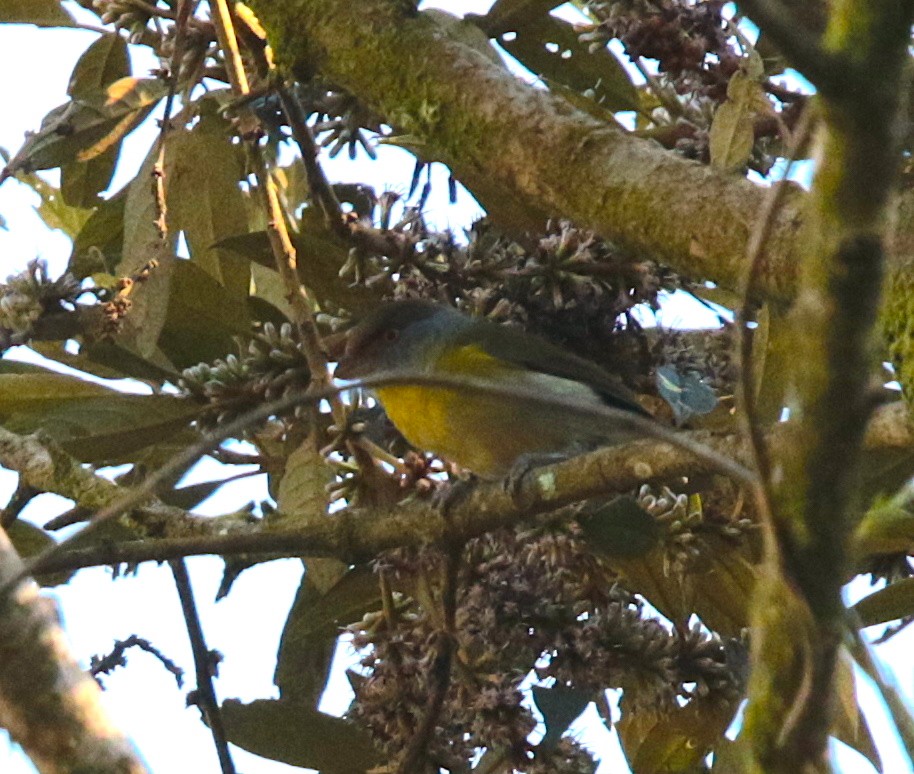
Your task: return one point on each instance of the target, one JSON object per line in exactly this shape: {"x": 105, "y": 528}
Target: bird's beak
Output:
{"x": 346, "y": 368}
{"x": 337, "y": 347}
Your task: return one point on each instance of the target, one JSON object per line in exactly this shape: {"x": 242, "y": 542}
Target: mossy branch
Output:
{"x": 360, "y": 534}
{"x": 47, "y": 703}
{"x": 814, "y": 480}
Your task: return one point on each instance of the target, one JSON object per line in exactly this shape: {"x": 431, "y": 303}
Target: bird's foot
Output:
{"x": 457, "y": 490}
{"x": 522, "y": 466}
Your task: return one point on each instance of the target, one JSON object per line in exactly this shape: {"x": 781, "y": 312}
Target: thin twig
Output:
{"x": 745, "y": 385}
{"x": 281, "y": 243}
{"x": 321, "y": 190}
{"x": 110, "y": 661}
{"x": 589, "y": 417}
{"x": 898, "y": 708}
{"x": 225, "y": 32}
{"x": 439, "y": 677}
{"x": 203, "y": 665}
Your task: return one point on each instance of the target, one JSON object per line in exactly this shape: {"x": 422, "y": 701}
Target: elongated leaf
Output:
{"x": 103, "y": 63}
{"x": 309, "y": 636}
{"x": 29, "y": 540}
{"x": 205, "y": 202}
{"x": 202, "y": 317}
{"x": 44, "y": 13}
{"x": 90, "y": 421}
{"x": 549, "y": 47}
{"x": 674, "y": 742}
{"x": 98, "y": 245}
{"x": 888, "y": 604}
{"x": 53, "y": 210}
{"x": 307, "y": 645}
{"x": 850, "y": 724}
{"x": 300, "y": 736}
{"x": 143, "y": 243}
{"x": 85, "y": 128}
{"x": 505, "y": 14}
{"x": 732, "y": 134}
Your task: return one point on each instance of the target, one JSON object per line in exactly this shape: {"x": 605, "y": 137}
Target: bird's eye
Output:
{"x": 391, "y": 334}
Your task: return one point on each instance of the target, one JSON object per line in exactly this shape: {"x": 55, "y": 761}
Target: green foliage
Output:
{"x": 649, "y": 593}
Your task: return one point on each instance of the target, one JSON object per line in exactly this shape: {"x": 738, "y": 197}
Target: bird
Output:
{"x": 485, "y": 433}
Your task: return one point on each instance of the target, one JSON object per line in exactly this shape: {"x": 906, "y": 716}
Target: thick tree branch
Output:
{"x": 47, "y": 703}
{"x": 43, "y": 465}
{"x": 511, "y": 142}
{"x": 356, "y": 535}
{"x": 506, "y": 139}
{"x": 833, "y": 320}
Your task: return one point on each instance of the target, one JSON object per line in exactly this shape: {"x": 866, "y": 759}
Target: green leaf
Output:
{"x": 850, "y": 723}
{"x": 505, "y": 14}
{"x": 620, "y": 528}
{"x": 53, "y": 210}
{"x": 99, "y": 243}
{"x": 81, "y": 182}
{"x": 674, "y": 742}
{"x": 732, "y": 134}
{"x": 550, "y": 48}
{"x": 305, "y": 652}
{"x": 202, "y": 318}
{"x": 204, "y": 171}
{"x": 891, "y": 603}
{"x": 91, "y": 422}
{"x": 29, "y": 540}
{"x": 103, "y": 63}
{"x": 300, "y": 736}
{"x": 44, "y": 13}
{"x": 314, "y": 623}
{"x": 560, "y": 706}
{"x": 85, "y": 128}
{"x": 309, "y": 639}
{"x": 888, "y": 525}
{"x": 302, "y": 493}
{"x": 142, "y": 243}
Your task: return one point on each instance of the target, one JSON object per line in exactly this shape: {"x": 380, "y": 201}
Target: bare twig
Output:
{"x": 204, "y": 665}
{"x": 321, "y": 190}
{"x": 745, "y": 386}
{"x": 898, "y": 707}
{"x": 106, "y": 664}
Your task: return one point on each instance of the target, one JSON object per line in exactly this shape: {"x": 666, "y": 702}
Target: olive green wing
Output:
{"x": 535, "y": 354}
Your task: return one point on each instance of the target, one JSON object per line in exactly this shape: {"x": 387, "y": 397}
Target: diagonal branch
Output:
{"x": 357, "y": 535}
{"x": 47, "y": 703}
{"x": 510, "y": 141}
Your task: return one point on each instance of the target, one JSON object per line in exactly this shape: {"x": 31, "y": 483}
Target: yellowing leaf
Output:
{"x": 732, "y": 136}
{"x": 84, "y": 128}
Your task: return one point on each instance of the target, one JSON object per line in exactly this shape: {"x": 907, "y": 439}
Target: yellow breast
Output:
{"x": 482, "y": 432}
